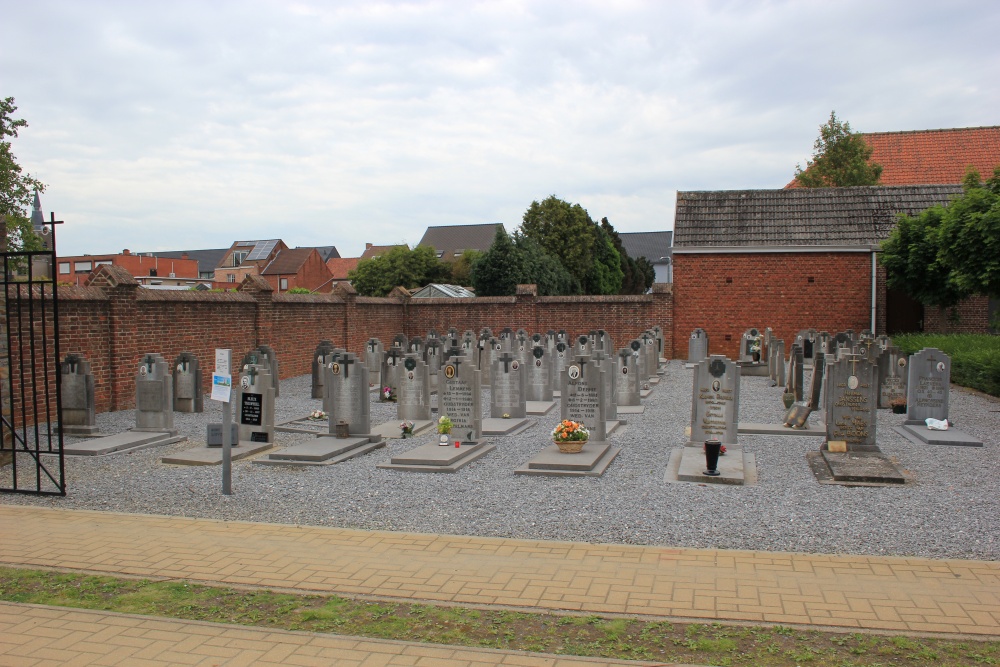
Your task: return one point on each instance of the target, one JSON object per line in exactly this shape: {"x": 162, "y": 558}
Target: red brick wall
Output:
{"x": 725, "y": 294}
{"x": 970, "y": 316}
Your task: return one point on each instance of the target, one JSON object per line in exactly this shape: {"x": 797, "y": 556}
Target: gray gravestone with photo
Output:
{"x": 583, "y": 345}
{"x": 271, "y": 366}
{"x": 627, "y": 382}
{"x": 461, "y": 398}
{"x": 79, "y": 416}
{"x": 188, "y": 394}
{"x": 433, "y": 355}
{"x": 254, "y": 403}
{"x": 154, "y": 395}
{"x": 608, "y": 365}
{"x": 416, "y": 346}
{"x": 779, "y": 362}
{"x": 928, "y": 386}
{"x": 806, "y": 339}
{"x": 796, "y": 368}
{"x": 539, "y": 372}
{"x": 661, "y": 342}
{"x": 319, "y": 362}
{"x": 401, "y": 342}
{"x": 486, "y": 348}
{"x": 715, "y": 404}
{"x": 892, "y": 373}
{"x": 508, "y": 388}
{"x": 392, "y": 364}
{"x": 347, "y": 381}
{"x": 560, "y": 358}
{"x": 650, "y": 355}
{"x": 414, "y": 392}
{"x": 851, "y": 403}
{"x": 583, "y": 396}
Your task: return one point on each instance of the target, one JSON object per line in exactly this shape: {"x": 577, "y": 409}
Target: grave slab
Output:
{"x": 677, "y": 455}
{"x": 432, "y": 457}
{"x": 390, "y": 430}
{"x": 592, "y": 461}
{"x": 752, "y": 369}
{"x": 205, "y": 456}
{"x": 731, "y": 466}
{"x": 857, "y": 467}
{"x": 322, "y": 451}
{"x": 631, "y": 409}
{"x": 304, "y": 425}
{"x": 654, "y": 380}
{"x": 920, "y": 434}
{"x": 121, "y": 442}
{"x": 498, "y": 427}
{"x": 82, "y": 431}
{"x": 644, "y": 393}
{"x": 812, "y": 430}
{"x": 539, "y": 407}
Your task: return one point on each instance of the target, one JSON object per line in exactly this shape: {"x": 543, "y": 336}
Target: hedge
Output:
{"x": 975, "y": 359}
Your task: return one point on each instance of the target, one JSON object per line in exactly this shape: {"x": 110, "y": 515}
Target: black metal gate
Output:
{"x": 31, "y": 444}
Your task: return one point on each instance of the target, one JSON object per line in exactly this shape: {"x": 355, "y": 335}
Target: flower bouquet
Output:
{"x": 570, "y": 436}
{"x": 406, "y": 428}
{"x": 389, "y": 394}
{"x": 317, "y": 415}
{"x": 444, "y": 428}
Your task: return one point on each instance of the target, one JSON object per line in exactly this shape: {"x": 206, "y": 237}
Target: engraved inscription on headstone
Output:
{"x": 851, "y": 403}
{"x": 928, "y": 386}
{"x": 716, "y": 400}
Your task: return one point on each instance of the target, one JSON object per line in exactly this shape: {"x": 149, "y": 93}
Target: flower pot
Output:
{"x": 443, "y": 439}
{"x": 405, "y": 436}
{"x": 570, "y": 446}
{"x": 712, "y": 449}
{"x": 899, "y": 409}
{"x": 755, "y": 356}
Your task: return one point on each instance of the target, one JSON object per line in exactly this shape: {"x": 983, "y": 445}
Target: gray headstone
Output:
{"x": 697, "y": 346}
{"x": 392, "y": 364}
{"x": 928, "y": 386}
{"x": 347, "y": 381}
{"x": 77, "y": 391}
{"x": 319, "y": 362}
{"x": 583, "y": 345}
{"x": 851, "y": 403}
{"x": 188, "y": 394}
{"x": 508, "y": 387}
{"x": 715, "y": 404}
{"x": 650, "y": 355}
{"x": 539, "y": 372}
{"x": 401, "y": 341}
{"x": 154, "y": 395}
{"x": 271, "y": 367}
{"x": 751, "y": 338}
{"x": 414, "y": 393}
{"x": 892, "y": 373}
{"x": 582, "y": 398}
{"x": 254, "y": 405}
{"x": 560, "y": 358}
{"x": 779, "y": 362}
{"x": 627, "y": 380}
{"x": 213, "y": 434}
{"x": 461, "y": 396}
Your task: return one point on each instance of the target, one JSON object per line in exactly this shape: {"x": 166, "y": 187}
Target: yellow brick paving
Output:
{"x": 855, "y": 592}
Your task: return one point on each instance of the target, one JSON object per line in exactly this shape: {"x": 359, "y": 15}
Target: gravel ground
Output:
{"x": 950, "y": 510}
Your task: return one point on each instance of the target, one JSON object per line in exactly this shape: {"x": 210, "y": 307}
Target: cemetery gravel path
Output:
{"x": 909, "y": 595}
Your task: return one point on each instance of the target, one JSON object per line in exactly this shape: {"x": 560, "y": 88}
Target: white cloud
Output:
{"x": 191, "y": 125}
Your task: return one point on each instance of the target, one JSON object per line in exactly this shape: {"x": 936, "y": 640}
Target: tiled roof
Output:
{"x": 339, "y": 266}
{"x": 376, "y": 250}
{"x": 799, "y": 217}
{"x": 288, "y": 261}
{"x": 922, "y": 157}
{"x": 207, "y": 259}
{"x": 327, "y": 252}
{"x": 652, "y": 245}
{"x": 452, "y": 238}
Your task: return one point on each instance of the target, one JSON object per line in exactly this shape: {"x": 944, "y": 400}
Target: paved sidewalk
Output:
{"x": 35, "y": 635}
{"x": 903, "y": 594}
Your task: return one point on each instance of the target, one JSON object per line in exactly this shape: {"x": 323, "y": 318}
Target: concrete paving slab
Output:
{"x": 320, "y": 449}
{"x": 730, "y": 467}
{"x": 868, "y": 467}
{"x": 212, "y": 456}
{"x": 390, "y": 430}
{"x": 121, "y": 442}
{"x": 341, "y": 454}
{"x": 644, "y": 393}
{"x": 493, "y": 427}
{"x": 670, "y": 476}
{"x": 304, "y": 425}
{"x": 631, "y": 409}
{"x": 920, "y": 434}
{"x": 433, "y": 457}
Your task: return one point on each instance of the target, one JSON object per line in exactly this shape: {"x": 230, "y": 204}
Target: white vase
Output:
{"x": 443, "y": 440}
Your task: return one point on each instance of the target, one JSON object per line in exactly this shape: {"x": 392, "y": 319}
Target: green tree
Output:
{"x": 542, "y": 269}
{"x": 635, "y": 279}
{"x": 499, "y": 270}
{"x": 16, "y": 188}
{"x": 605, "y": 274}
{"x": 400, "y": 266}
{"x": 564, "y": 231}
{"x": 461, "y": 268}
{"x": 946, "y": 253}
{"x": 647, "y": 272}
{"x": 840, "y": 159}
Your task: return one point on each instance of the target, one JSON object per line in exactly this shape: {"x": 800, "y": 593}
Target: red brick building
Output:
{"x": 787, "y": 259}
{"x": 146, "y": 269}
{"x": 298, "y": 267}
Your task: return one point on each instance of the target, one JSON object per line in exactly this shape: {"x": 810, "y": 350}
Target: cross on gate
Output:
{"x": 506, "y": 358}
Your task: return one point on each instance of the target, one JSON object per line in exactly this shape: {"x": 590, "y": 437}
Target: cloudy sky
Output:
{"x": 173, "y": 125}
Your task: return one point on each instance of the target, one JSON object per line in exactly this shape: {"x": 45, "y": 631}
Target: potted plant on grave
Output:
{"x": 389, "y": 394}
{"x": 444, "y": 429}
{"x": 570, "y": 436}
{"x": 755, "y": 347}
{"x": 318, "y": 415}
{"x": 898, "y": 405}
{"x": 406, "y": 428}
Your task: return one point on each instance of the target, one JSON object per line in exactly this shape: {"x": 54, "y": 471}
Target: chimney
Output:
{"x": 126, "y": 252}
{"x": 184, "y": 255}
{"x": 368, "y": 245}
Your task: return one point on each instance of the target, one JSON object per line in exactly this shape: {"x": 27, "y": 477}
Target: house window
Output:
{"x": 440, "y": 254}
{"x": 152, "y": 272}
{"x": 238, "y": 257}
{"x": 82, "y": 267}
{"x": 283, "y": 283}
{"x": 231, "y": 277}
{"x": 103, "y": 262}
{"x": 63, "y": 267}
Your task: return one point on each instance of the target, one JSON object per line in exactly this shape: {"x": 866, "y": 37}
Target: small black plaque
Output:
{"x": 717, "y": 368}
{"x": 410, "y": 364}
{"x": 258, "y": 436}
{"x": 538, "y": 352}
{"x": 250, "y": 409}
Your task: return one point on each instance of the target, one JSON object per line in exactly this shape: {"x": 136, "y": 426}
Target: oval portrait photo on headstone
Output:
{"x": 245, "y": 383}
{"x": 335, "y": 368}
{"x": 852, "y": 382}
{"x": 142, "y": 370}
{"x": 716, "y": 386}
{"x": 902, "y": 362}
{"x": 409, "y": 376}
{"x": 940, "y": 367}
{"x": 573, "y": 371}
{"x": 624, "y": 370}
{"x": 449, "y": 371}
{"x": 538, "y": 363}
{"x": 514, "y": 365}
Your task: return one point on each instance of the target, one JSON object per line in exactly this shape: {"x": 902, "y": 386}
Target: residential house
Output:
{"x": 147, "y": 269}
{"x": 246, "y": 258}
{"x": 207, "y": 259}
{"x": 339, "y": 268}
{"x": 298, "y": 268}
{"x": 452, "y": 241}
{"x": 655, "y": 247}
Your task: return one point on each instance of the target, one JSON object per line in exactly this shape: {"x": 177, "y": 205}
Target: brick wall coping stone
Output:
{"x": 199, "y": 296}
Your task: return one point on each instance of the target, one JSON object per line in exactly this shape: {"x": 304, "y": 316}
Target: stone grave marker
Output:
{"x": 779, "y": 362}
{"x": 271, "y": 366}
{"x": 417, "y": 346}
{"x": 560, "y": 357}
{"x": 608, "y": 365}
{"x": 414, "y": 393}
{"x": 539, "y": 380}
{"x": 627, "y": 382}
{"x": 508, "y": 389}
{"x": 319, "y": 362}
{"x": 697, "y": 346}
{"x": 401, "y": 342}
{"x": 806, "y": 339}
{"x": 392, "y": 364}
{"x": 748, "y": 341}
{"x": 461, "y": 399}
{"x": 892, "y": 375}
{"x": 851, "y": 403}
{"x": 927, "y": 397}
{"x": 583, "y": 345}
{"x": 374, "y": 355}
{"x": 78, "y": 417}
{"x": 188, "y": 394}
{"x": 154, "y": 395}
{"x": 715, "y": 405}
{"x": 824, "y": 343}
{"x": 348, "y": 395}
{"x": 796, "y": 368}
{"x": 661, "y": 342}
{"x": 884, "y": 342}
{"x": 650, "y": 357}
{"x": 433, "y": 354}
{"x": 583, "y": 397}
{"x": 254, "y": 404}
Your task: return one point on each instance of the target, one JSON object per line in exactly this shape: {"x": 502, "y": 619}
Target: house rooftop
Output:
{"x": 451, "y": 240}
{"x": 207, "y": 259}
{"x": 861, "y": 216}
{"x": 288, "y": 261}
{"x": 340, "y": 266}
{"x": 654, "y": 246}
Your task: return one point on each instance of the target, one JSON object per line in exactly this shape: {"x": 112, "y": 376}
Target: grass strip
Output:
{"x": 710, "y": 644}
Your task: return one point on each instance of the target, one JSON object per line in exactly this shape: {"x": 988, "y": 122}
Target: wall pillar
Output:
{"x": 123, "y": 331}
